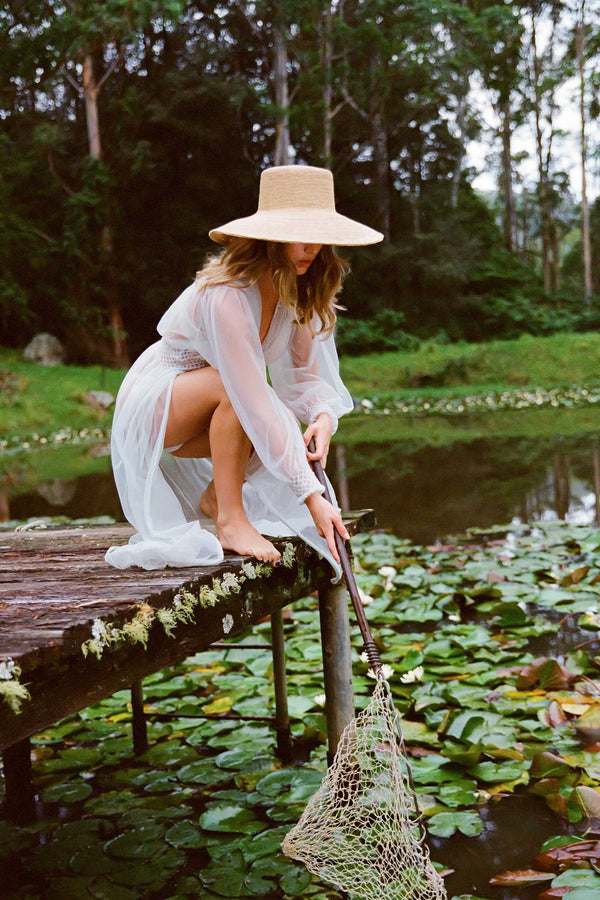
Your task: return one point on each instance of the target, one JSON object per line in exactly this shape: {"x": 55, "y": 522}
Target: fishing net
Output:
{"x": 361, "y": 830}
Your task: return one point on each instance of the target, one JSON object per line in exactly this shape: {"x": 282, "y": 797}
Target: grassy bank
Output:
{"x": 46, "y": 398}
{"x": 556, "y": 361}
{"x": 36, "y": 398}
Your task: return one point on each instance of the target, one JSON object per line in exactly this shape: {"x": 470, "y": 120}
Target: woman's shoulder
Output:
{"x": 231, "y": 289}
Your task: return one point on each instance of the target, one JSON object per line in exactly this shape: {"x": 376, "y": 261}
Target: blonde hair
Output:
{"x": 243, "y": 261}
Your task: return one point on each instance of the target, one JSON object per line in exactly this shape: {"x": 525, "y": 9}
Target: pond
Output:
{"x": 422, "y": 493}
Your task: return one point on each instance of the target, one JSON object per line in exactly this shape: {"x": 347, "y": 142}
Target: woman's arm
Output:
{"x": 306, "y": 377}
{"x": 235, "y": 351}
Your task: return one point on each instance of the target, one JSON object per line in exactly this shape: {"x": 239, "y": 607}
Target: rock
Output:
{"x": 99, "y": 399}
{"x": 44, "y": 349}
{"x": 100, "y": 449}
{"x": 57, "y": 492}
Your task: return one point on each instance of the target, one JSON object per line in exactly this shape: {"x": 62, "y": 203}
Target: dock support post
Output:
{"x": 337, "y": 662}
{"x": 20, "y": 798}
{"x": 138, "y": 719}
{"x": 282, "y": 718}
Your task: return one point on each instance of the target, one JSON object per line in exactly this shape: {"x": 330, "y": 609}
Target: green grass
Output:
{"x": 559, "y": 360}
{"x": 46, "y": 398}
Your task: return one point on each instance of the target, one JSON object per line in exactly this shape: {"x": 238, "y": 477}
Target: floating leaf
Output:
{"x": 589, "y": 724}
{"x": 446, "y": 823}
{"x": 548, "y": 673}
{"x": 70, "y": 792}
{"x": 185, "y": 835}
{"x": 295, "y": 881}
{"x": 230, "y": 818}
{"x": 229, "y": 880}
{"x": 139, "y": 843}
{"x": 521, "y": 876}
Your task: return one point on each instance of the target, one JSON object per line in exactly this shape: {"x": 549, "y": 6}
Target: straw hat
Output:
{"x": 296, "y": 205}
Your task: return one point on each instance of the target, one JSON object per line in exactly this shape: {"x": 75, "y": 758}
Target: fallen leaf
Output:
{"x": 559, "y": 858}
{"x": 521, "y": 876}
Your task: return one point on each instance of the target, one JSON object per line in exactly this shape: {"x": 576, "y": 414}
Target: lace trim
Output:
{"x": 316, "y": 408}
{"x": 182, "y": 358}
{"x": 304, "y": 484}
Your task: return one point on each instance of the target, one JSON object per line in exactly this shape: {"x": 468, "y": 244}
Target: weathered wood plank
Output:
{"x": 55, "y": 583}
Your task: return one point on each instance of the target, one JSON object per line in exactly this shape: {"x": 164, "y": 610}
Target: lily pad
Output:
{"x": 139, "y": 843}
{"x": 230, "y": 817}
{"x": 69, "y": 792}
{"x": 229, "y": 880}
{"x": 446, "y": 823}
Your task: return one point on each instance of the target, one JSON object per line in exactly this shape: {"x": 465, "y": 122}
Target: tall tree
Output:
{"x": 545, "y": 75}
{"x": 580, "y": 41}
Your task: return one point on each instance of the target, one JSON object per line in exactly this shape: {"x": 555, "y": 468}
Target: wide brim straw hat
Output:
{"x": 296, "y": 204}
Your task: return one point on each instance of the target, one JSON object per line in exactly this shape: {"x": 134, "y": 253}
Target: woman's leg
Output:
{"x": 202, "y": 419}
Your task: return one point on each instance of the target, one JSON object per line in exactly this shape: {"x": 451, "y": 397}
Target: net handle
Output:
{"x": 369, "y": 643}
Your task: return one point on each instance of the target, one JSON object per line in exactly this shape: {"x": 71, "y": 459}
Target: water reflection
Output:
{"x": 429, "y": 492}
{"x": 421, "y": 493}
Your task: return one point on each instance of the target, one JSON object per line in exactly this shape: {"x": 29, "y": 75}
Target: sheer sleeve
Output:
{"x": 307, "y": 378}
{"x": 231, "y": 344}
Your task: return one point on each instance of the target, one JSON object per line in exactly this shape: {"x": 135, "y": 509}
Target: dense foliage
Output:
{"x": 128, "y": 129}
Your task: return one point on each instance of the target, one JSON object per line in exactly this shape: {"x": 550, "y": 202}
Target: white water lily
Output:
{"x": 320, "y": 699}
{"x": 386, "y": 671}
{"x": 365, "y": 599}
{"x": 389, "y": 573}
{"x": 412, "y": 675}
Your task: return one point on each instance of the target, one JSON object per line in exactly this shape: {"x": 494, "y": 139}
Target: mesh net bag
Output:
{"x": 360, "y": 831}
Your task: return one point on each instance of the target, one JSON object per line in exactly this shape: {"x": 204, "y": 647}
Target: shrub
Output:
{"x": 382, "y": 331}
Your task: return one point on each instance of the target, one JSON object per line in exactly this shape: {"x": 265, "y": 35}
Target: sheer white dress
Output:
{"x": 160, "y": 493}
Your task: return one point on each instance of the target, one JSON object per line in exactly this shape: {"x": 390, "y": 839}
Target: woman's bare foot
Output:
{"x": 241, "y": 537}
{"x": 208, "y": 502}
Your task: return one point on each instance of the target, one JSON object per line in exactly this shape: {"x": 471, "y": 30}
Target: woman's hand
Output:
{"x": 320, "y": 430}
{"x": 327, "y": 520}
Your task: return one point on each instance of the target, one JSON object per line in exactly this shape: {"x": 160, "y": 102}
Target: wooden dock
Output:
{"x": 57, "y": 593}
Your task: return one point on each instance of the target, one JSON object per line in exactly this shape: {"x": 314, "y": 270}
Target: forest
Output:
{"x": 129, "y": 128}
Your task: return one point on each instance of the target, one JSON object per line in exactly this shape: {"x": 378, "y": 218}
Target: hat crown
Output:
{"x": 287, "y": 187}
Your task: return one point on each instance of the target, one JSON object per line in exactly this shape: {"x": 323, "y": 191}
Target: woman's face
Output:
{"x": 301, "y": 255}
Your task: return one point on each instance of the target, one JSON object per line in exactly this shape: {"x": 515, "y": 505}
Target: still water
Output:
{"x": 421, "y": 493}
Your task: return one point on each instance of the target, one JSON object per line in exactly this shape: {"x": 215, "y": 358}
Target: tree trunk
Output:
{"x": 554, "y": 256}
{"x": 91, "y": 90}
{"x": 327, "y": 91}
{"x": 507, "y": 179}
{"x": 382, "y": 169}
{"x": 542, "y": 174}
{"x": 585, "y": 210}
{"x": 282, "y": 131}
{"x": 90, "y": 99}
{"x": 380, "y": 152}
{"x": 461, "y": 114}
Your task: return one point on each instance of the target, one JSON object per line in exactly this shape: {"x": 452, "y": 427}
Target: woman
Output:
{"x": 199, "y": 428}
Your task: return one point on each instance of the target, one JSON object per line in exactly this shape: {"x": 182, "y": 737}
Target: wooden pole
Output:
{"x": 282, "y": 718}
{"x": 20, "y": 798}
{"x": 342, "y": 478}
{"x": 337, "y": 662}
{"x": 138, "y": 721}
